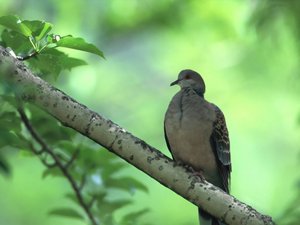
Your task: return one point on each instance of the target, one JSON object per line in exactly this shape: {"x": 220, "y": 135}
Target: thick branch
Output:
{"x": 117, "y": 140}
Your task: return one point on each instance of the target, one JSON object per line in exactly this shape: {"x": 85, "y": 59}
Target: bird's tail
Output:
{"x": 206, "y": 219}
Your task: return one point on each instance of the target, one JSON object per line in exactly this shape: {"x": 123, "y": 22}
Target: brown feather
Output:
{"x": 221, "y": 146}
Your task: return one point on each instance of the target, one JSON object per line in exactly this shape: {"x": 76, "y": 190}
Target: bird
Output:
{"x": 196, "y": 135}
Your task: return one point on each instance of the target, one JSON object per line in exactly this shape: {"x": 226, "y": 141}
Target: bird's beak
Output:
{"x": 175, "y": 82}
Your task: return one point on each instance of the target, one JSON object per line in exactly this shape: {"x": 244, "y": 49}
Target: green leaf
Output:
{"x": 26, "y": 152}
{"x": 53, "y": 172}
{"x": 78, "y": 44}
{"x": 131, "y": 218}
{"x": 117, "y": 204}
{"x": 44, "y": 31}
{"x": 108, "y": 206}
{"x": 10, "y": 121}
{"x": 127, "y": 184}
{"x": 68, "y": 63}
{"x": 14, "y": 23}
{"x": 112, "y": 168}
{"x": 4, "y": 166}
{"x": 71, "y": 196}
{"x": 10, "y": 132}
{"x": 16, "y": 41}
{"x": 67, "y": 212}
{"x": 8, "y": 103}
{"x": 46, "y": 64}
{"x": 8, "y": 138}
{"x": 52, "y": 62}
{"x": 70, "y": 147}
{"x": 47, "y": 127}
{"x": 101, "y": 195}
{"x": 38, "y": 28}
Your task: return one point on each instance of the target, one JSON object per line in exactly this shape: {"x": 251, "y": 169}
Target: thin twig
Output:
{"x": 31, "y": 55}
{"x": 73, "y": 157}
{"x": 92, "y": 201}
{"x": 59, "y": 164}
{"x": 82, "y": 182}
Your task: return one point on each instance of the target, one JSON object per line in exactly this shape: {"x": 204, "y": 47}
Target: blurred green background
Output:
{"x": 248, "y": 54}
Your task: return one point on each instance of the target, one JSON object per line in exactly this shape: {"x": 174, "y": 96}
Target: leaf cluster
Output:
{"x": 31, "y": 40}
{"x": 94, "y": 174}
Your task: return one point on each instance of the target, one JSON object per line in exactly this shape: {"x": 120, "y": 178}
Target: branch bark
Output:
{"x": 135, "y": 151}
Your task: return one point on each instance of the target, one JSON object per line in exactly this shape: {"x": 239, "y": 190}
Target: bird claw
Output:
{"x": 187, "y": 167}
{"x": 194, "y": 173}
{"x": 198, "y": 174}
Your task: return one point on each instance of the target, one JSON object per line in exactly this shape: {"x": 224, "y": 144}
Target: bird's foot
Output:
{"x": 198, "y": 174}
{"x": 180, "y": 163}
{"x": 194, "y": 173}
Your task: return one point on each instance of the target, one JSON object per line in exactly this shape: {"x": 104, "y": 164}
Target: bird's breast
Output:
{"x": 189, "y": 124}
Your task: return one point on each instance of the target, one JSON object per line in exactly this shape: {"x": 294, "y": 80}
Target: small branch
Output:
{"x": 74, "y": 156}
{"x": 91, "y": 203}
{"x": 30, "y": 55}
{"x": 82, "y": 182}
{"x": 57, "y": 163}
{"x": 135, "y": 151}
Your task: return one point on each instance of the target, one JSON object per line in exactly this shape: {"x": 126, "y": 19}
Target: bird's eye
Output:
{"x": 187, "y": 77}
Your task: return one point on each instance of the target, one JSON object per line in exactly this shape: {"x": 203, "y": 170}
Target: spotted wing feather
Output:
{"x": 221, "y": 146}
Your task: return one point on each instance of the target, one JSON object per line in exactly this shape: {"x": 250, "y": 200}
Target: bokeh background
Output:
{"x": 247, "y": 52}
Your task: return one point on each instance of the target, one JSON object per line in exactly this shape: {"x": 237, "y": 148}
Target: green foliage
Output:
{"x": 92, "y": 173}
{"x": 132, "y": 218}
{"x": 11, "y": 132}
{"x": 78, "y": 44}
{"x": 32, "y": 39}
{"x": 4, "y": 166}
{"x": 14, "y": 23}
{"x": 252, "y": 74}
{"x": 66, "y": 212}
{"x": 52, "y": 61}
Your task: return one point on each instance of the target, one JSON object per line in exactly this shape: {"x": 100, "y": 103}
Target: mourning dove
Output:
{"x": 196, "y": 135}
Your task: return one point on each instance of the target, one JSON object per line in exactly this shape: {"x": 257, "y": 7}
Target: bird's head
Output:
{"x": 192, "y": 79}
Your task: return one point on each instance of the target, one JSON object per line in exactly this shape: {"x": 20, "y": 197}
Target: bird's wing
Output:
{"x": 221, "y": 146}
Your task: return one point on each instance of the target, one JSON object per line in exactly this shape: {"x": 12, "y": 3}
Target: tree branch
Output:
{"x": 64, "y": 169}
{"x": 135, "y": 151}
